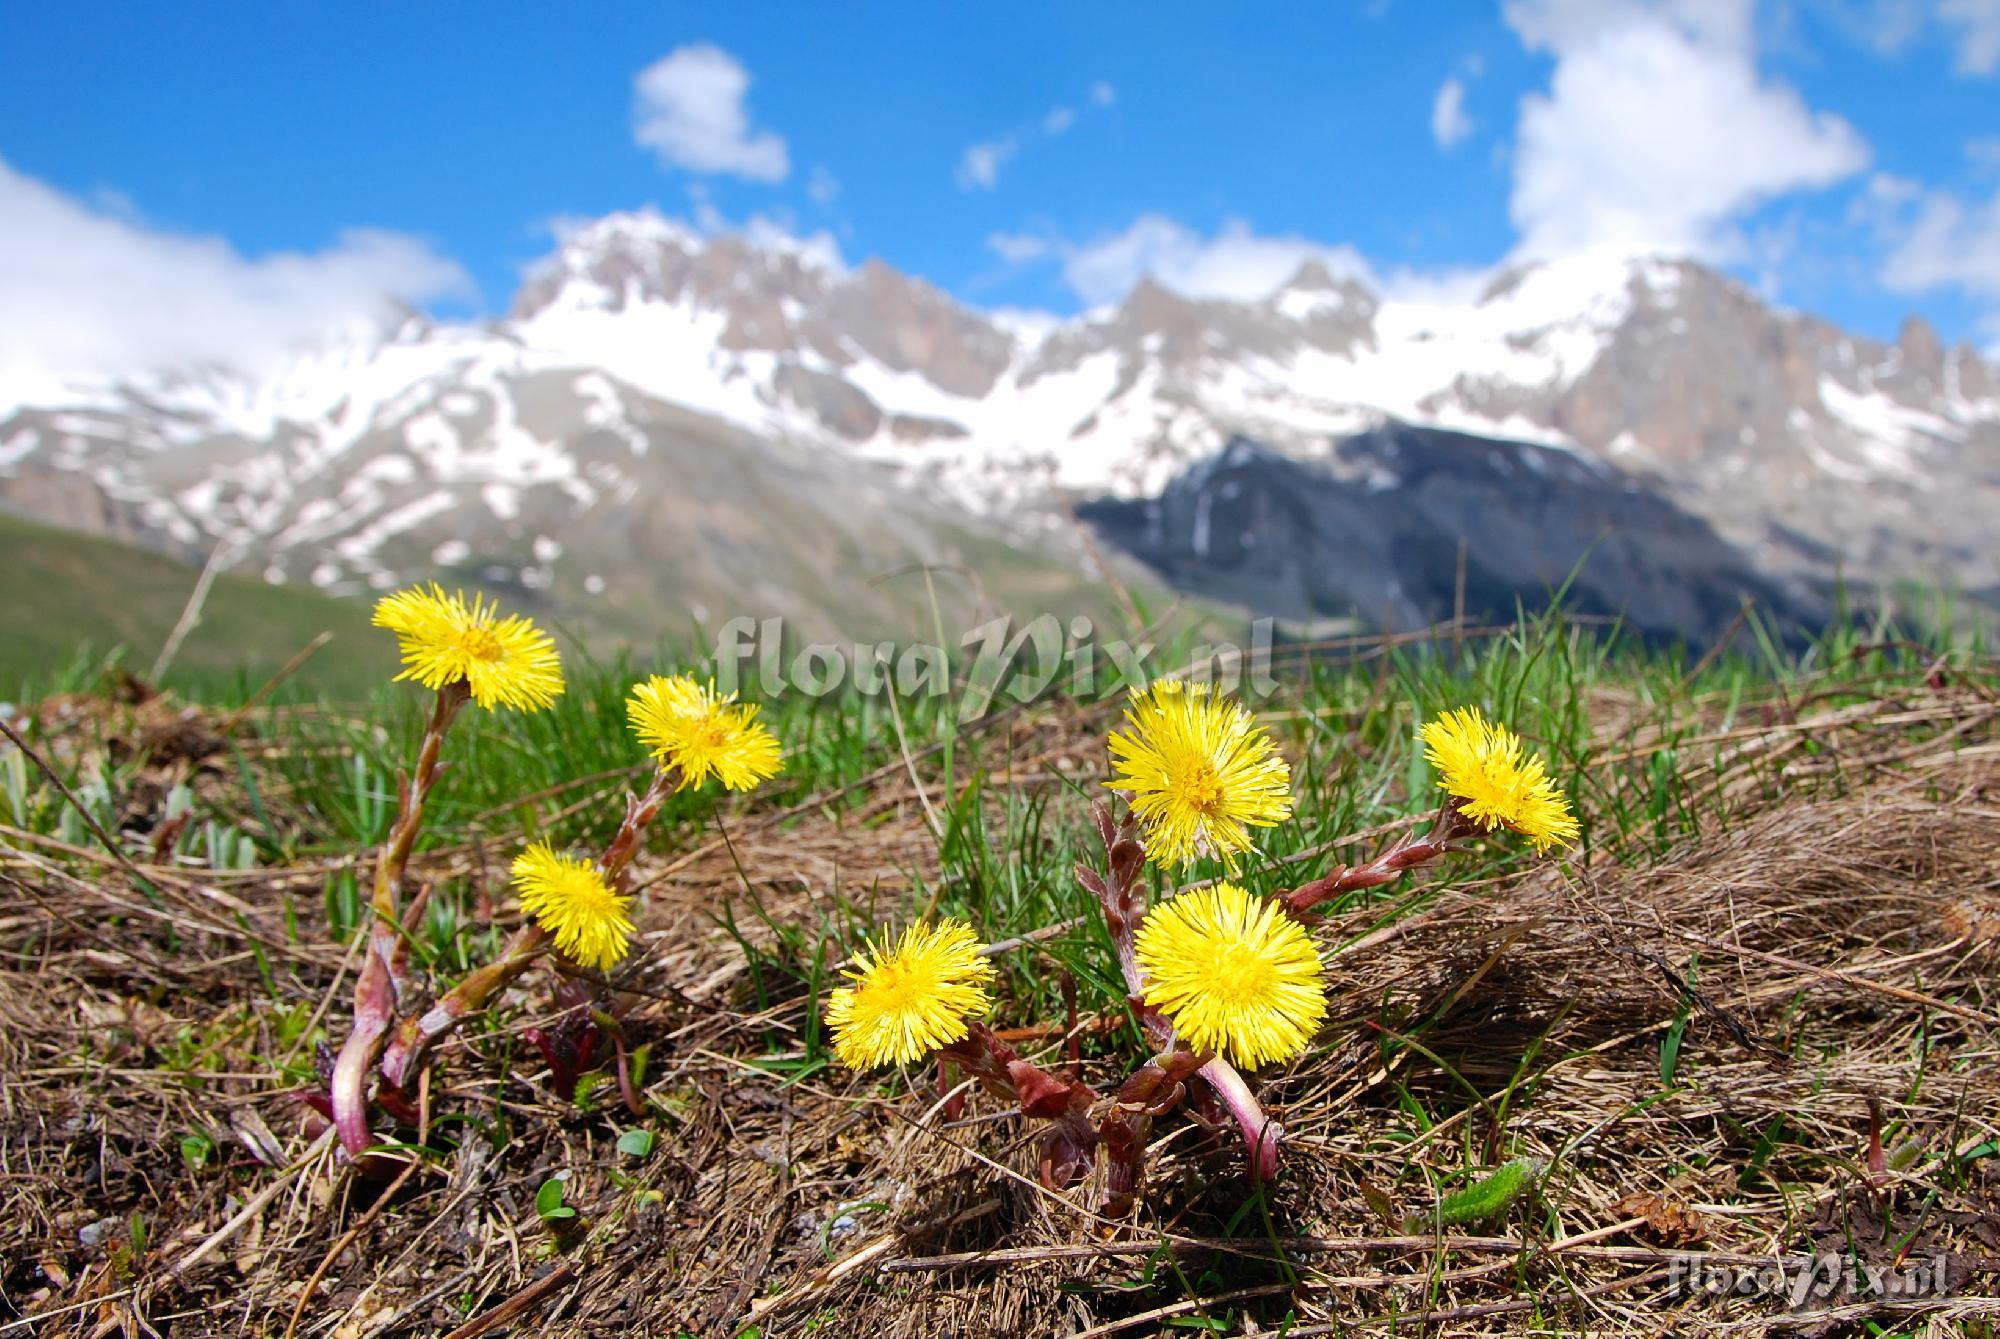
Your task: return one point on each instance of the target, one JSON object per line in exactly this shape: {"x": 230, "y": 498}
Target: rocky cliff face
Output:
{"x": 1305, "y": 541}
{"x": 508, "y": 446}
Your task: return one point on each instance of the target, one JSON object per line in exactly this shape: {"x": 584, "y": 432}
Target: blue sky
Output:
{"x": 1842, "y": 155}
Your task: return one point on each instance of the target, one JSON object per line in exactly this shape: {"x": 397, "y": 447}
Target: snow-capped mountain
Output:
{"x": 642, "y": 349}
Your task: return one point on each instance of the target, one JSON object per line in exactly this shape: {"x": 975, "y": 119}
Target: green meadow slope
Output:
{"x": 67, "y": 596}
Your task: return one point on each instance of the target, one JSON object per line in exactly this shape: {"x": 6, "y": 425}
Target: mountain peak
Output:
{"x": 632, "y": 229}
{"x": 1919, "y": 342}
{"x": 1312, "y": 275}
{"x": 1151, "y": 301}
{"x": 643, "y": 254}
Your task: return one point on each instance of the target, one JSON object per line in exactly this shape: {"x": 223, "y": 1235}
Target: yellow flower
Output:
{"x": 569, "y": 898}
{"x": 910, "y": 997}
{"x": 443, "y": 639}
{"x": 1235, "y": 974}
{"x": 692, "y": 727}
{"x": 1201, "y": 772}
{"x": 1497, "y": 783}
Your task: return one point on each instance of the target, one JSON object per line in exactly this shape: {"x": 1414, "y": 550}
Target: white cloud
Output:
{"x": 95, "y": 291}
{"x": 979, "y": 166}
{"x": 1017, "y": 248}
{"x": 1949, "y": 243}
{"x": 822, "y": 186}
{"x": 1236, "y": 262}
{"x": 707, "y": 218}
{"x": 1946, "y": 242}
{"x": 688, "y": 109}
{"x": 1562, "y": 25}
{"x": 1449, "y": 121}
{"x": 1978, "y": 25}
{"x": 1885, "y": 191}
{"x": 1886, "y": 25}
{"x": 1657, "y": 130}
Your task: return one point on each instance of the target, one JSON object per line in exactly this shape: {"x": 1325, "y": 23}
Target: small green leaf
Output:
{"x": 1488, "y": 1198}
{"x": 1670, "y": 1048}
{"x": 587, "y": 1085}
{"x": 196, "y": 1149}
{"x": 1670, "y": 1045}
{"x": 549, "y": 1202}
{"x": 636, "y": 1143}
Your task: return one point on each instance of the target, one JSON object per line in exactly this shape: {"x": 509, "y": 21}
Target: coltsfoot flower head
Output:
{"x": 910, "y": 996}
{"x": 1495, "y": 780}
{"x": 1236, "y": 975}
{"x": 1201, "y": 770}
{"x": 690, "y": 726}
{"x": 570, "y": 899}
{"x": 444, "y": 638}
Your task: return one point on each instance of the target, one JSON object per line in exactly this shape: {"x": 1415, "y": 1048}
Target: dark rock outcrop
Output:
{"x": 1374, "y": 533}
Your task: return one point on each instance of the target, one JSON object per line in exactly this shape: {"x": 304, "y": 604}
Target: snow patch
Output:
{"x": 18, "y": 447}
{"x": 502, "y": 500}
{"x": 1892, "y": 437}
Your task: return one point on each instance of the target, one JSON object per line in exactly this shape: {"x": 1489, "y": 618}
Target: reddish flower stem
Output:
{"x": 1405, "y": 854}
{"x": 1070, "y": 1144}
{"x": 639, "y": 815}
{"x": 1121, "y": 893}
{"x": 1261, "y": 1134}
{"x": 1153, "y": 1089}
{"x": 419, "y": 1034}
{"x": 416, "y": 1036}
{"x": 378, "y": 986}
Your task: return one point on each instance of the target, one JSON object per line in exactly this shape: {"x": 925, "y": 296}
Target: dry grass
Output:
{"x": 1828, "y": 948}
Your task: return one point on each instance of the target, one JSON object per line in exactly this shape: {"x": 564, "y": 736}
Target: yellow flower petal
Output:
{"x": 442, "y": 639}
{"x": 690, "y": 726}
{"x": 1202, "y": 772}
{"x": 1234, "y": 973}
{"x": 1496, "y": 781}
{"x": 909, "y": 997}
{"x": 570, "y": 899}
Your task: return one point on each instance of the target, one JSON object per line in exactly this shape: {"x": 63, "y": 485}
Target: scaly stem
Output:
{"x": 1123, "y": 897}
{"x": 639, "y": 815}
{"x": 379, "y": 984}
{"x": 1153, "y": 1089}
{"x": 1069, "y": 1145}
{"x": 1403, "y": 855}
{"x": 1122, "y": 894}
{"x": 417, "y": 1035}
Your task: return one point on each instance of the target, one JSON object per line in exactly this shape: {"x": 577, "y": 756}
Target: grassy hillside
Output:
{"x": 70, "y": 600}
{"x": 68, "y": 597}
